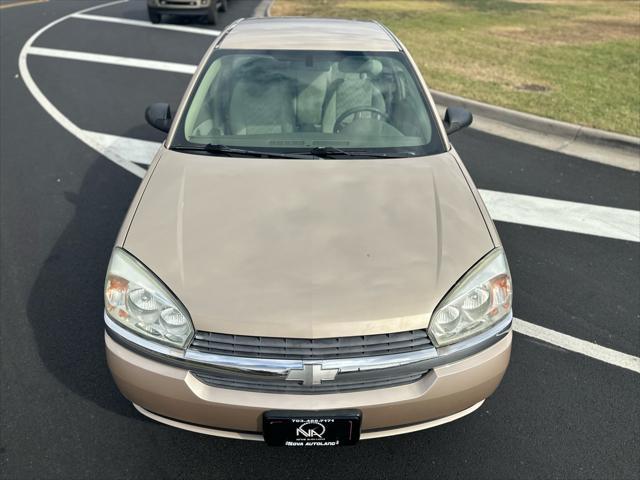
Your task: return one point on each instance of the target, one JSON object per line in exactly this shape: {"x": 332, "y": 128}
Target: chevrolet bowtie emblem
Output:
{"x": 311, "y": 374}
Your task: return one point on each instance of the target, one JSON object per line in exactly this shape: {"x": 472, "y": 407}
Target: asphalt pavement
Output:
{"x": 557, "y": 414}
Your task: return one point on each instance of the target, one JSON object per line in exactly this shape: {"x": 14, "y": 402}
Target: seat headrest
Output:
{"x": 360, "y": 65}
{"x": 257, "y": 64}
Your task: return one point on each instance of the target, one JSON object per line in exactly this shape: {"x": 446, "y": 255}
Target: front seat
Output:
{"x": 261, "y": 101}
{"x": 353, "y": 88}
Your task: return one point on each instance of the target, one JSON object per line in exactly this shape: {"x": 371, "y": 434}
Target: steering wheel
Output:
{"x": 380, "y": 115}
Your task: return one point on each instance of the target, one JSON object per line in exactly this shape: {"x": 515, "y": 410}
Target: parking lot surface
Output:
{"x": 72, "y": 107}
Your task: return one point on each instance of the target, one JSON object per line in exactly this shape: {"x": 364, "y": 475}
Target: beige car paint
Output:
{"x": 307, "y": 248}
{"x": 476, "y": 194}
{"x": 174, "y": 393}
{"x": 368, "y": 435}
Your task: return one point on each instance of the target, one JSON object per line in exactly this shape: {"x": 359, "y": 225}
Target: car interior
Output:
{"x": 298, "y": 99}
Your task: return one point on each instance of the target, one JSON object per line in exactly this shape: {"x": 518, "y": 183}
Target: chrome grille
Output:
{"x": 310, "y": 349}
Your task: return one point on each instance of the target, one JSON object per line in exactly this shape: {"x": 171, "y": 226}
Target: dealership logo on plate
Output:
{"x": 311, "y": 430}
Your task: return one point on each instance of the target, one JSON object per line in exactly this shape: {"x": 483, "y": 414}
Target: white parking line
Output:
{"x": 127, "y": 152}
{"x": 573, "y": 344}
{"x": 562, "y": 215}
{"x": 134, "y": 150}
{"x": 529, "y": 210}
{"x": 507, "y": 207}
{"x": 140, "y": 23}
{"x": 56, "y": 114}
{"x": 113, "y": 60}
{"x": 539, "y": 212}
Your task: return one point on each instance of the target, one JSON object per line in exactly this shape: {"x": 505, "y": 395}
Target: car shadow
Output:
{"x": 65, "y": 304}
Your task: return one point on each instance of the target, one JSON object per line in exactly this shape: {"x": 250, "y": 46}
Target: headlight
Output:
{"x": 478, "y": 301}
{"x": 138, "y": 300}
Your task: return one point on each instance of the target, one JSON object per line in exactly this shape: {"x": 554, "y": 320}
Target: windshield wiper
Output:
{"x": 333, "y": 152}
{"x": 228, "y": 151}
{"x": 321, "y": 152}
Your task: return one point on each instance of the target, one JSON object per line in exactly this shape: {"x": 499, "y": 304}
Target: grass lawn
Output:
{"x": 572, "y": 60}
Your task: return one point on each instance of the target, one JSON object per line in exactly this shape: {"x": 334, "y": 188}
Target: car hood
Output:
{"x": 308, "y": 248}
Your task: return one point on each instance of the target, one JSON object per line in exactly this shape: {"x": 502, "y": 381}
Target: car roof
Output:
{"x": 297, "y": 33}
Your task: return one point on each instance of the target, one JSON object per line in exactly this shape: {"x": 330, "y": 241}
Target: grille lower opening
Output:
{"x": 285, "y": 386}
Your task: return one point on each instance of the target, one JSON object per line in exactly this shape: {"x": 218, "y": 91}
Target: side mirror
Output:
{"x": 158, "y": 115}
{"x": 456, "y": 118}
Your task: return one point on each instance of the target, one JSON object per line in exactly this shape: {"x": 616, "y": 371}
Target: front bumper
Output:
{"x": 173, "y": 395}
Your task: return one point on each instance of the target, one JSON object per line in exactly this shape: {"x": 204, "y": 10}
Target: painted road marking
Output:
{"x": 113, "y": 60}
{"x": 562, "y": 215}
{"x": 57, "y": 115}
{"x": 141, "y": 23}
{"x": 608, "y": 222}
{"x": 577, "y": 345}
{"x": 528, "y": 210}
{"x": 21, "y": 3}
{"x": 121, "y": 151}
{"x": 134, "y": 150}
{"x": 539, "y": 212}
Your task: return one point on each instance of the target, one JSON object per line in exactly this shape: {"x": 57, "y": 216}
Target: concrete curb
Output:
{"x": 546, "y": 126}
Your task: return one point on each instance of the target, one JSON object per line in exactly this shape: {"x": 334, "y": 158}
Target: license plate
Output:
{"x": 331, "y": 428}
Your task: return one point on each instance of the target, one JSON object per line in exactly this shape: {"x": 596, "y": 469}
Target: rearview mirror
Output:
{"x": 456, "y": 118}
{"x": 158, "y": 115}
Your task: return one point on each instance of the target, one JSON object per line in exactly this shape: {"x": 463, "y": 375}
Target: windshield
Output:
{"x": 304, "y": 101}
